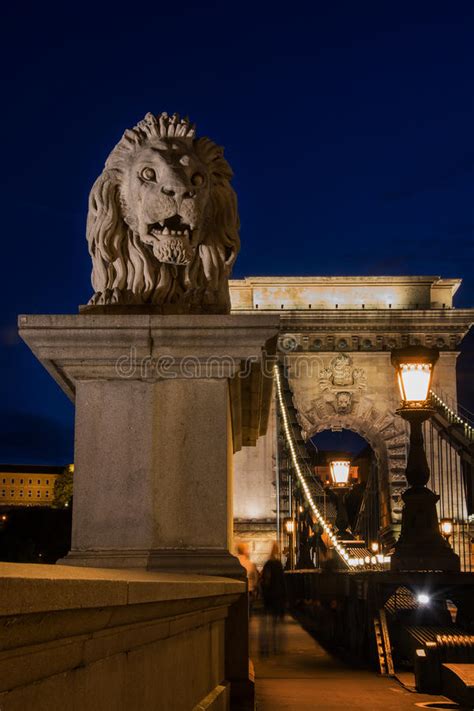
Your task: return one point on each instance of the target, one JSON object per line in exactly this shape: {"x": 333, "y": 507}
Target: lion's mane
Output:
{"x": 125, "y": 270}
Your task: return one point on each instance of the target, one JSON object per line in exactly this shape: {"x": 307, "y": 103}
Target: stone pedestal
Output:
{"x": 162, "y": 403}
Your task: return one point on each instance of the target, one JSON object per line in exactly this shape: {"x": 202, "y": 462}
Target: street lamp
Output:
{"x": 447, "y": 527}
{"x": 420, "y": 545}
{"x": 340, "y": 469}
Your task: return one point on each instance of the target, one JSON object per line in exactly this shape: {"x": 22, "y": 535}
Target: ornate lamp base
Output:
{"x": 421, "y": 545}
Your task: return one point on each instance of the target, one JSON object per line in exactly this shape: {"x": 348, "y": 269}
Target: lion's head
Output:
{"x": 163, "y": 225}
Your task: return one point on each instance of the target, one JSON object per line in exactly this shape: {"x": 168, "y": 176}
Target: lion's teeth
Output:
{"x": 186, "y": 233}
{"x": 173, "y": 232}
{"x": 166, "y": 231}
{"x": 178, "y": 232}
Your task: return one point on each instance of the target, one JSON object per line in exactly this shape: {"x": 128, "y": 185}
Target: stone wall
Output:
{"x": 255, "y": 494}
{"x": 107, "y": 640}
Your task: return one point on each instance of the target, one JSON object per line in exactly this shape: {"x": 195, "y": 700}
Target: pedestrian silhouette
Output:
{"x": 251, "y": 570}
{"x": 274, "y": 602}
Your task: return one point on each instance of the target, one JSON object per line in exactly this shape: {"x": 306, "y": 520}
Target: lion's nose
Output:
{"x": 179, "y": 193}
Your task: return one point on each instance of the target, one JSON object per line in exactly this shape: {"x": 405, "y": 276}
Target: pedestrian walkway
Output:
{"x": 303, "y": 677}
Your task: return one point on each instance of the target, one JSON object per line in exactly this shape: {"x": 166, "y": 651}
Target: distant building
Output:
{"x": 28, "y": 485}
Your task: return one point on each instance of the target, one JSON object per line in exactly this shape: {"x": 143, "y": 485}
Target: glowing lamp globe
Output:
{"x": 446, "y": 526}
{"x": 340, "y": 471}
{"x": 414, "y": 366}
{"x": 289, "y": 525}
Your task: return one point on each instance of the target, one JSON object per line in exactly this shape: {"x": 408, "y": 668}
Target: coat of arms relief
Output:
{"x": 342, "y": 384}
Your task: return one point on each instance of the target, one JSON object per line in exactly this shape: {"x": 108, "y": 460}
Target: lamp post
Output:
{"x": 420, "y": 545}
{"x": 340, "y": 469}
{"x": 304, "y": 558}
{"x": 290, "y": 530}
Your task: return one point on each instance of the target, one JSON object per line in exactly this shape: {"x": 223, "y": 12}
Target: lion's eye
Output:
{"x": 197, "y": 179}
{"x": 148, "y": 174}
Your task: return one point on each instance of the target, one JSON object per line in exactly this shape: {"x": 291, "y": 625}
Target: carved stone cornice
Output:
{"x": 373, "y": 330}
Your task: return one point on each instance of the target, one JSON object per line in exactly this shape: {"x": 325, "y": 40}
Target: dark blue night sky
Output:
{"x": 349, "y": 126}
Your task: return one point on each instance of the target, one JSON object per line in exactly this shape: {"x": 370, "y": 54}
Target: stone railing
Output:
{"x": 82, "y": 638}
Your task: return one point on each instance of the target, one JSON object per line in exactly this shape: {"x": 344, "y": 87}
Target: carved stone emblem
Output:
{"x": 341, "y": 383}
{"x": 343, "y": 402}
{"x": 287, "y": 343}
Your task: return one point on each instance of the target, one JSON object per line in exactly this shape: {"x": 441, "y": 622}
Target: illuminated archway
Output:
{"x": 353, "y": 400}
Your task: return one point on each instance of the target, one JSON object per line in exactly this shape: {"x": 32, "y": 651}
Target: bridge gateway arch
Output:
{"x": 336, "y": 335}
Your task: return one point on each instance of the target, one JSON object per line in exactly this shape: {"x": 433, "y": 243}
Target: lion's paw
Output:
{"x": 108, "y": 296}
{"x": 94, "y": 300}
{"x": 113, "y": 296}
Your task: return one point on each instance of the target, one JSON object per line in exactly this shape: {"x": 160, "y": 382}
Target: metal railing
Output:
{"x": 449, "y": 444}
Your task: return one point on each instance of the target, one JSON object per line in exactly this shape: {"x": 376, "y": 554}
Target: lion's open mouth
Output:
{"x": 172, "y": 241}
{"x": 171, "y": 227}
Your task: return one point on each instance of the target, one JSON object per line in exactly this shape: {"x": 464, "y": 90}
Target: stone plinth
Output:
{"x": 162, "y": 402}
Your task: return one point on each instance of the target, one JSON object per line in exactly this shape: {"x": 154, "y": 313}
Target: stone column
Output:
{"x": 162, "y": 402}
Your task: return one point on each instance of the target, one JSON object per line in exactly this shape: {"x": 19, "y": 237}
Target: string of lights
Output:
{"x": 452, "y": 414}
{"x": 349, "y": 561}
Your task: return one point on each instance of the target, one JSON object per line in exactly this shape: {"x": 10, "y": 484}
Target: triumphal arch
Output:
{"x": 336, "y": 335}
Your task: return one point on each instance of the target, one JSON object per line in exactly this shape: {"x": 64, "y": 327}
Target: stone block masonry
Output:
{"x": 109, "y": 640}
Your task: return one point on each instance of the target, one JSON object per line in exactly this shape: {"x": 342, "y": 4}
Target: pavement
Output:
{"x": 302, "y": 676}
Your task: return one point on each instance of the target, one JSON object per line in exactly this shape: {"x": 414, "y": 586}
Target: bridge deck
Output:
{"x": 303, "y": 677}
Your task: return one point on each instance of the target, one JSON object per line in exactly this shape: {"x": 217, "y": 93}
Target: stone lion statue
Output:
{"x": 163, "y": 226}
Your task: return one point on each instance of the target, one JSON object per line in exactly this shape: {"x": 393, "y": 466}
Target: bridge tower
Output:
{"x": 336, "y": 335}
